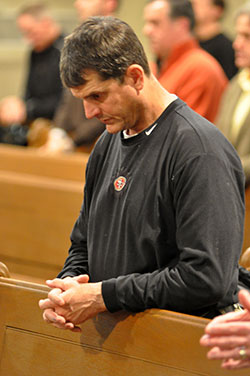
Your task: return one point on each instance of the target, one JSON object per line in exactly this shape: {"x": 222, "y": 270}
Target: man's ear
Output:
{"x": 218, "y": 12}
{"x": 183, "y": 24}
{"x": 134, "y": 76}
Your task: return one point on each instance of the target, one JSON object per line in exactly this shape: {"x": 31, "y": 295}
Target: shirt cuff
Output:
{"x": 109, "y": 295}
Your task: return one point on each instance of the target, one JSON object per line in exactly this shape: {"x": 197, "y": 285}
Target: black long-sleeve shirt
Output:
{"x": 162, "y": 218}
{"x": 221, "y": 48}
{"x": 43, "y": 87}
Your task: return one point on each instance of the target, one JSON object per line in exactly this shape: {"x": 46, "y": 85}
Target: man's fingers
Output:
{"x": 56, "y": 283}
{"x": 235, "y": 364}
{"x": 46, "y": 303}
{"x": 223, "y": 354}
{"x": 224, "y": 320}
{"x": 244, "y": 298}
{"x": 62, "y": 284}
{"x": 232, "y": 329}
{"x": 59, "y": 322}
{"x": 76, "y": 329}
{"x": 83, "y": 278}
{"x": 224, "y": 342}
{"x": 67, "y": 282}
{"x": 55, "y": 296}
{"x": 51, "y": 317}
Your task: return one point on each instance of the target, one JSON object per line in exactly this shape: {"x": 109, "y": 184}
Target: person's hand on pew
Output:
{"x": 229, "y": 336}
{"x": 71, "y": 302}
{"x": 49, "y": 307}
{"x": 12, "y": 111}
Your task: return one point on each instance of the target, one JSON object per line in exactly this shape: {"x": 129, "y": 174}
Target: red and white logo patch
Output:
{"x": 120, "y": 183}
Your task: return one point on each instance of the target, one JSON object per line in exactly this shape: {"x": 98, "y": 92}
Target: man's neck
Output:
{"x": 207, "y": 31}
{"x": 156, "y": 99}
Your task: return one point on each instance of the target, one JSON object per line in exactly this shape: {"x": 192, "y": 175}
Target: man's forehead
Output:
{"x": 158, "y": 4}
{"x": 243, "y": 22}
{"x": 93, "y": 83}
{"x": 91, "y": 2}
{"x": 90, "y": 75}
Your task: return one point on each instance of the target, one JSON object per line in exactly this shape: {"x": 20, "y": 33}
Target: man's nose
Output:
{"x": 146, "y": 30}
{"x": 91, "y": 110}
{"x": 239, "y": 42}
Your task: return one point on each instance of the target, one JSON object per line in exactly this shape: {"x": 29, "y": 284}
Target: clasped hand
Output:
{"x": 229, "y": 336}
{"x": 72, "y": 301}
{"x": 12, "y": 111}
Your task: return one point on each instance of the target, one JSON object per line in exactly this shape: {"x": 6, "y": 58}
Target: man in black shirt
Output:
{"x": 208, "y": 15}
{"x": 43, "y": 87}
{"x": 161, "y": 224}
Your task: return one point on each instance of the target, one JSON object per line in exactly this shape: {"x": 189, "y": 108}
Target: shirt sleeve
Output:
{"x": 77, "y": 260}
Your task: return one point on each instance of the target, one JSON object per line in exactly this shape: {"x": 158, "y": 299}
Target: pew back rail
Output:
{"x": 151, "y": 343}
{"x": 68, "y": 166}
{"x": 37, "y": 215}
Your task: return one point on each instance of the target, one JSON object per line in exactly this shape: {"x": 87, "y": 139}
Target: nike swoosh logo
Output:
{"x": 150, "y": 130}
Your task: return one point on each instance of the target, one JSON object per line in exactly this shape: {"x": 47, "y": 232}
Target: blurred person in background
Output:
{"x": 182, "y": 67}
{"x": 71, "y": 129}
{"x": 43, "y": 86}
{"x": 234, "y": 114}
{"x": 208, "y": 15}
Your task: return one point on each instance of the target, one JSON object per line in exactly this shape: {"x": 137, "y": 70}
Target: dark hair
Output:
{"x": 104, "y": 44}
{"x": 219, "y": 3}
{"x": 180, "y": 8}
{"x": 36, "y": 10}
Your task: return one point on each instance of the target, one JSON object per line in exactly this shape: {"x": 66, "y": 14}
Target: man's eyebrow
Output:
{"x": 93, "y": 92}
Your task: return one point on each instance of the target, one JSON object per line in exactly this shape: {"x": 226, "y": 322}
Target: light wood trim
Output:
{"x": 28, "y": 160}
{"x": 152, "y": 343}
{"x": 4, "y": 271}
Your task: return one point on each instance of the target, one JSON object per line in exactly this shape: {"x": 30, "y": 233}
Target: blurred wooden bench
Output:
{"x": 151, "y": 343}
{"x": 69, "y": 166}
{"x": 40, "y": 199}
{"x": 37, "y": 215}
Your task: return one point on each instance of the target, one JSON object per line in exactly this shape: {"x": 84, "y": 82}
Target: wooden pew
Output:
{"x": 69, "y": 166}
{"x": 245, "y": 259}
{"x": 40, "y": 198}
{"x": 36, "y": 218}
{"x": 151, "y": 343}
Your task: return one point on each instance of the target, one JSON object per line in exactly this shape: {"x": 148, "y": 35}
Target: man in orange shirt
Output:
{"x": 182, "y": 67}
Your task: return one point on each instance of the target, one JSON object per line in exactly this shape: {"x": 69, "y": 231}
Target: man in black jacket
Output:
{"x": 208, "y": 29}
{"x": 43, "y": 87}
{"x": 161, "y": 224}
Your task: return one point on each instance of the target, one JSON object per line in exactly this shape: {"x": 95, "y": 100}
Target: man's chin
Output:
{"x": 240, "y": 62}
{"x": 112, "y": 128}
